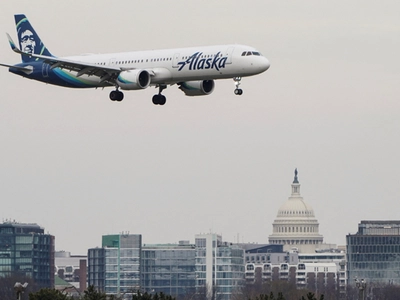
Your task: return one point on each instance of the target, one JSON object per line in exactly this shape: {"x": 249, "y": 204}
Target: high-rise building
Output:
{"x": 295, "y": 226}
{"x": 169, "y": 268}
{"x": 219, "y": 267}
{"x": 26, "y": 249}
{"x": 96, "y": 267}
{"x": 373, "y": 253}
{"x": 115, "y": 268}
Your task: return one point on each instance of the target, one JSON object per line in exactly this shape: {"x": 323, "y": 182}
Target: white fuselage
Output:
{"x": 170, "y": 66}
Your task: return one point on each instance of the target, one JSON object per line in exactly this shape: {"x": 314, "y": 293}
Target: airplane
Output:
{"x": 193, "y": 69}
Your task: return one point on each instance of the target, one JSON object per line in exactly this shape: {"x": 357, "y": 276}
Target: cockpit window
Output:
{"x": 248, "y": 53}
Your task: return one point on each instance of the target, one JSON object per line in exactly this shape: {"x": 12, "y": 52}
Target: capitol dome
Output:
{"x": 295, "y": 209}
{"x": 295, "y": 225}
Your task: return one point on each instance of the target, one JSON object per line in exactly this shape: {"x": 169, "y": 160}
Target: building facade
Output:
{"x": 219, "y": 267}
{"x": 336, "y": 257}
{"x": 169, "y": 268}
{"x": 96, "y": 267}
{"x": 26, "y": 249}
{"x": 115, "y": 268}
{"x": 318, "y": 273}
{"x": 373, "y": 253}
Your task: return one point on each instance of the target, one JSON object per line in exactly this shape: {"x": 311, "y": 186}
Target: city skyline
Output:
{"x": 82, "y": 166}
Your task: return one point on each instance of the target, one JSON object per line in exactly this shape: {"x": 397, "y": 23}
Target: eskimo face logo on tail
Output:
{"x": 197, "y": 62}
{"x": 28, "y": 40}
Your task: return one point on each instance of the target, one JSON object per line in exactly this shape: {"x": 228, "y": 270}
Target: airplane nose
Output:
{"x": 266, "y": 64}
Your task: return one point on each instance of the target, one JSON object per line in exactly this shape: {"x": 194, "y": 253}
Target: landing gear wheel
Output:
{"x": 116, "y": 96}
{"x": 120, "y": 96}
{"x": 163, "y": 100}
{"x": 238, "y": 92}
{"x": 159, "y": 99}
{"x": 155, "y": 99}
{"x": 113, "y": 95}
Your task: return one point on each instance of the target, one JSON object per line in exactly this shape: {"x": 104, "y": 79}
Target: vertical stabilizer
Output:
{"x": 29, "y": 41}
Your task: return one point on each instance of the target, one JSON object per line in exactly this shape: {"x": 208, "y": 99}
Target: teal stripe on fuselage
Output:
{"x": 72, "y": 80}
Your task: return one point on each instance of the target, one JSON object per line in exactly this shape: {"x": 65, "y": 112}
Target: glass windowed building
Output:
{"x": 25, "y": 249}
{"x": 373, "y": 253}
{"x": 209, "y": 268}
{"x": 169, "y": 268}
{"x": 219, "y": 267}
{"x": 115, "y": 268}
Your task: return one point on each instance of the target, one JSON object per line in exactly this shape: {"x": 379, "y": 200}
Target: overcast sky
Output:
{"x": 81, "y": 166}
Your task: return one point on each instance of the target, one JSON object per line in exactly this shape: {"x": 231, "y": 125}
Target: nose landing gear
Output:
{"x": 237, "y": 90}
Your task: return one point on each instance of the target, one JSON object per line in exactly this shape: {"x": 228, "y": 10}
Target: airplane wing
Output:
{"x": 105, "y": 73}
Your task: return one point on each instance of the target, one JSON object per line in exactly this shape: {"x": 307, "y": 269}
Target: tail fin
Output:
{"x": 29, "y": 41}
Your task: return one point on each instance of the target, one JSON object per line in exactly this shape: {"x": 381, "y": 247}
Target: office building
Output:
{"x": 115, "y": 268}
{"x": 219, "y": 267}
{"x": 373, "y": 253}
{"x": 317, "y": 272}
{"x": 169, "y": 268}
{"x": 25, "y": 249}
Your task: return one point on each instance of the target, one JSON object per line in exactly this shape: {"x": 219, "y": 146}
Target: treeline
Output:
{"x": 309, "y": 296}
{"x": 92, "y": 294}
{"x": 275, "y": 290}
{"x": 282, "y": 290}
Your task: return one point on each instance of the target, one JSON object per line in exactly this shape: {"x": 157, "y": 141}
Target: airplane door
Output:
{"x": 228, "y": 53}
{"x": 112, "y": 61}
{"x": 45, "y": 70}
{"x": 175, "y": 60}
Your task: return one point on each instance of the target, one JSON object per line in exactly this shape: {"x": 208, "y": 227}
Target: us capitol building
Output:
{"x": 295, "y": 226}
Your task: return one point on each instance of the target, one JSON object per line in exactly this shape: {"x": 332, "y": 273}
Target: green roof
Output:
{"x": 60, "y": 282}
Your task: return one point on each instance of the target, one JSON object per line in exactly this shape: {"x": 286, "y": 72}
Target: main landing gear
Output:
{"x": 116, "y": 95}
{"x": 237, "y": 91}
{"x": 160, "y": 99}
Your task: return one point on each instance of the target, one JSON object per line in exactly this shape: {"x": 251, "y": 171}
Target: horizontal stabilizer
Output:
{"x": 24, "y": 69}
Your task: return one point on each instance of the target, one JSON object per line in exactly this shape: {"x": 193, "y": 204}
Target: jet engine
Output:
{"x": 197, "y": 88}
{"x": 134, "y": 79}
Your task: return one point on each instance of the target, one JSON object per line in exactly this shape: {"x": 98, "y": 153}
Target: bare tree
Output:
{"x": 288, "y": 291}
